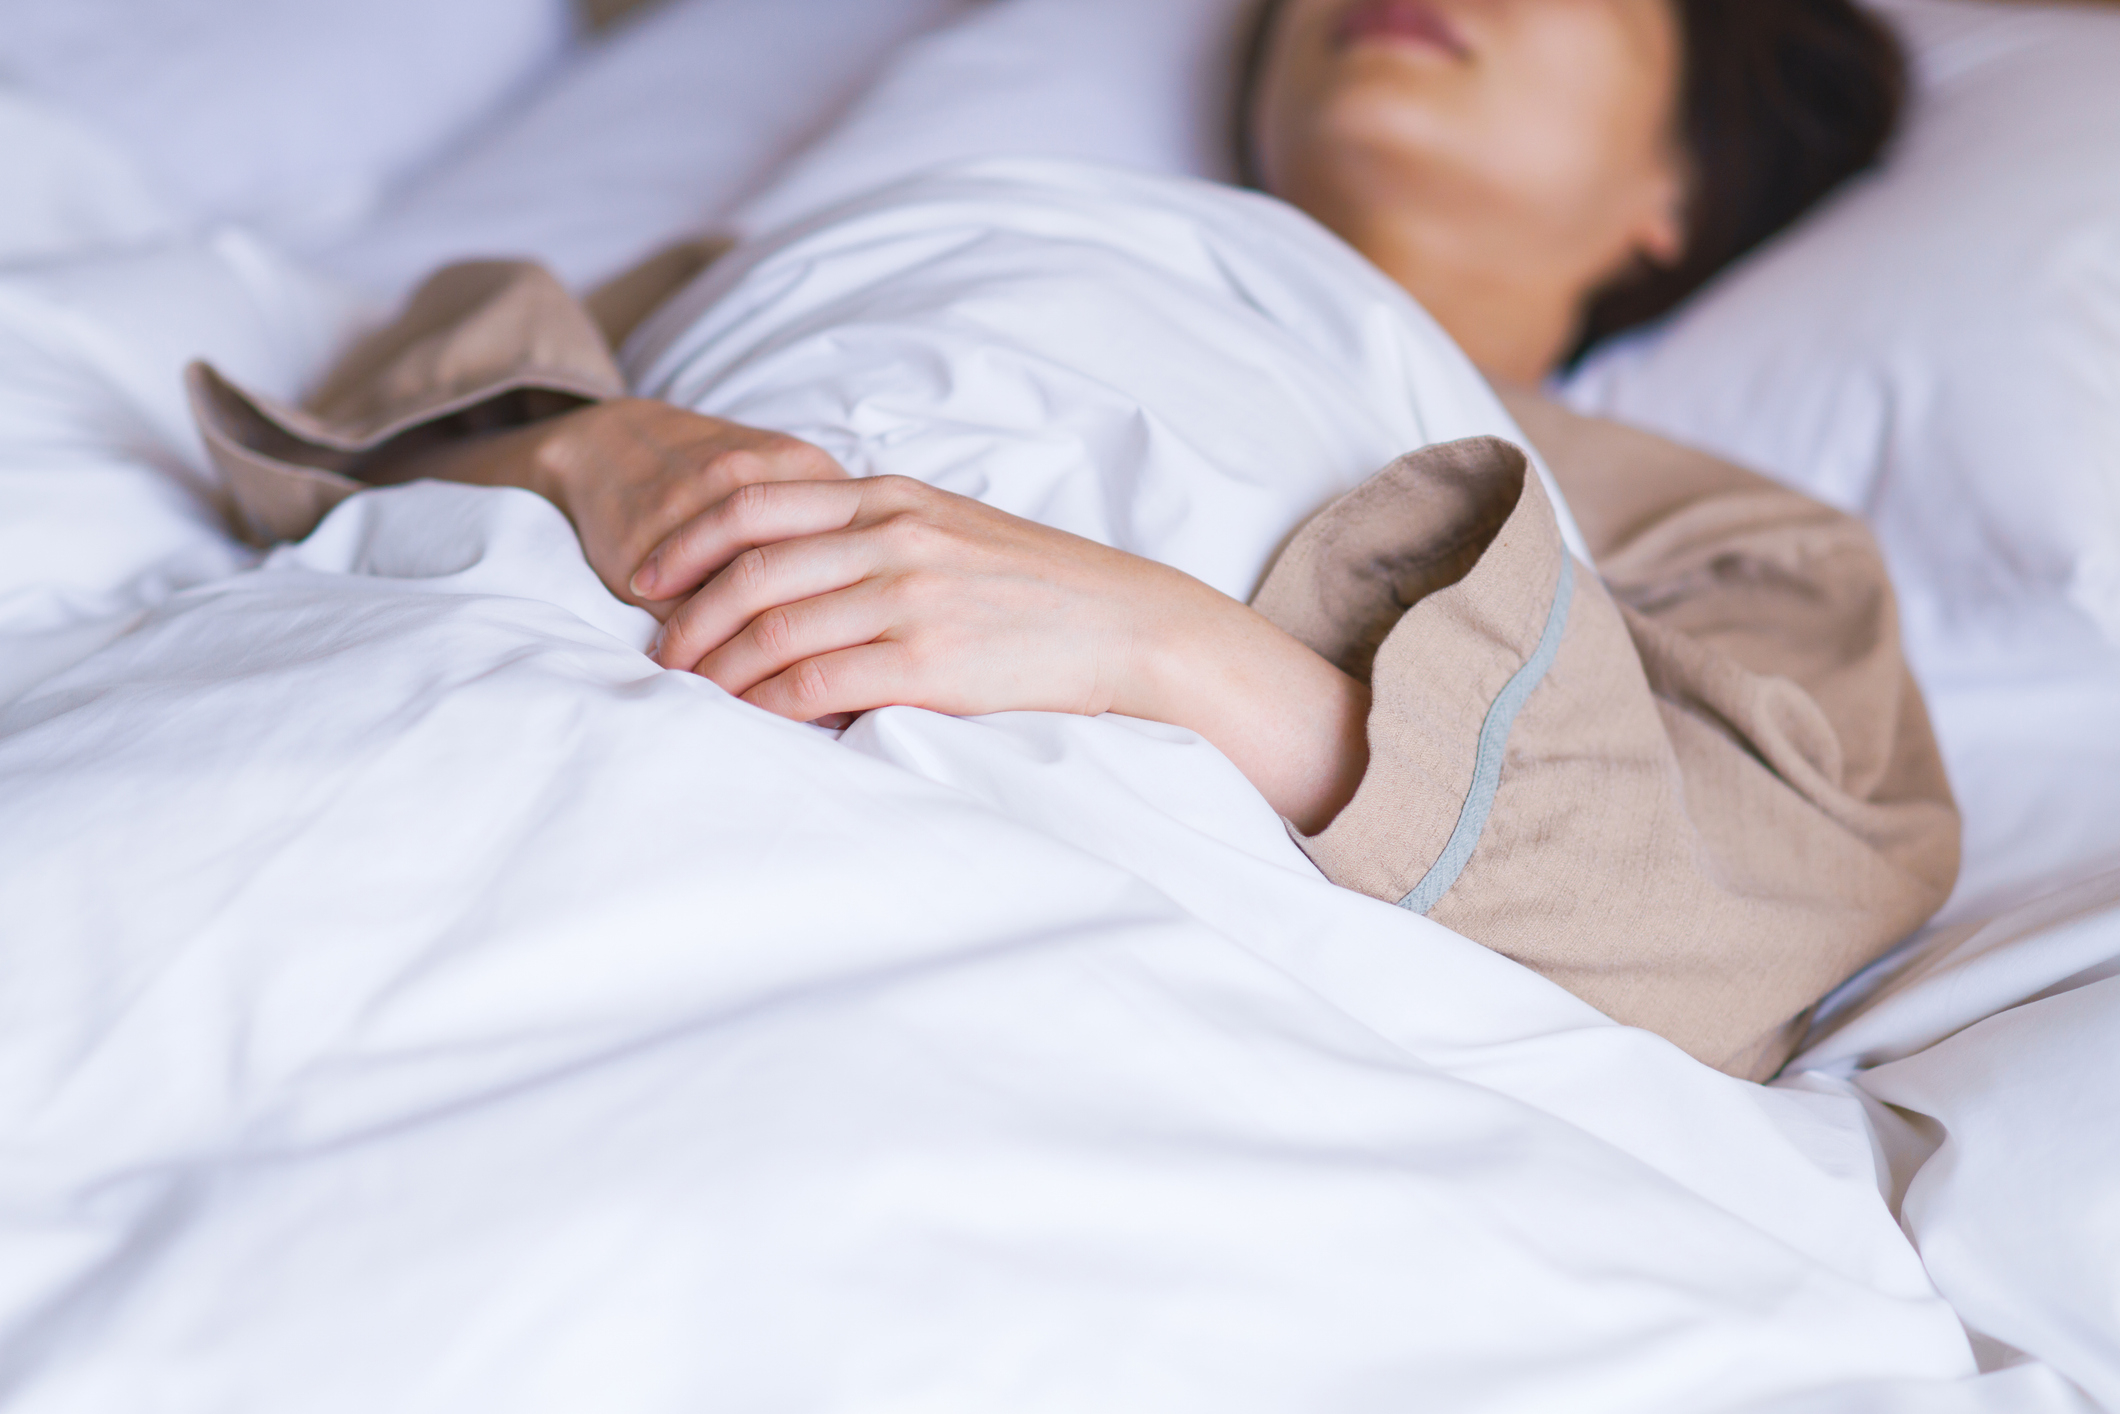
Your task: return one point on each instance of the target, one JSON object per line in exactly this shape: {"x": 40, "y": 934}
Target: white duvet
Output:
{"x": 410, "y": 999}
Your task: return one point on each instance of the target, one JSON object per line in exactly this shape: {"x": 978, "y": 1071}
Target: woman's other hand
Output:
{"x": 628, "y": 473}
{"x": 631, "y": 472}
{"x": 819, "y": 599}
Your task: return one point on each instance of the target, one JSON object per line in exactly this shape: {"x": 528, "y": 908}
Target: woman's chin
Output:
{"x": 1381, "y": 112}
{"x": 1378, "y": 147}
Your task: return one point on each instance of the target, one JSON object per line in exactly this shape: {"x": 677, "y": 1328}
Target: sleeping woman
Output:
{"x": 1673, "y": 761}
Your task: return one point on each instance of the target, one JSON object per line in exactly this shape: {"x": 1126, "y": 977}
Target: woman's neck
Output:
{"x": 1510, "y": 322}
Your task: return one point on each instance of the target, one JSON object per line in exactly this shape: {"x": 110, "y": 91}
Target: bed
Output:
{"x": 411, "y": 1000}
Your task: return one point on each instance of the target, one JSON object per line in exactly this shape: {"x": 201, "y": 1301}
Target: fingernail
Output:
{"x": 643, "y": 579}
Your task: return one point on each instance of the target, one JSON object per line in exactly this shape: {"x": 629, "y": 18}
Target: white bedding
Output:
{"x": 1179, "y": 369}
{"x": 462, "y": 1014}
{"x": 415, "y": 1000}
{"x": 409, "y": 999}
{"x": 1993, "y": 1047}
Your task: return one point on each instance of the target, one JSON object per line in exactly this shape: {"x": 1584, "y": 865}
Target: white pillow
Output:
{"x": 1940, "y": 347}
{"x": 290, "y": 115}
{"x": 651, "y": 135}
{"x": 1150, "y": 86}
{"x": 69, "y": 191}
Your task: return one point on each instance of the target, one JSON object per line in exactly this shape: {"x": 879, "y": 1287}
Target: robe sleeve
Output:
{"x": 1697, "y": 787}
{"x": 482, "y": 346}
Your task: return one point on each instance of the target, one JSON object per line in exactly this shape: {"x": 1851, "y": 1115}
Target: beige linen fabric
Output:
{"x": 1720, "y": 799}
{"x": 1698, "y": 792}
{"x": 482, "y": 345}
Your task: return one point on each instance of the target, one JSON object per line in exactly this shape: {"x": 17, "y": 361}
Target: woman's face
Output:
{"x": 1489, "y": 154}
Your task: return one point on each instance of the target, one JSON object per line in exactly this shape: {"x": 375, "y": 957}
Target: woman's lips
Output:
{"x": 1402, "y": 21}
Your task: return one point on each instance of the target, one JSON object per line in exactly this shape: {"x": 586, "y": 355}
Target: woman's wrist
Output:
{"x": 524, "y": 457}
{"x": 1293, "y": 723}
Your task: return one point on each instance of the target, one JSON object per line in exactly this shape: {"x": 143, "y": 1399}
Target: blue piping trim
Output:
{"x": 1494, "y": 743}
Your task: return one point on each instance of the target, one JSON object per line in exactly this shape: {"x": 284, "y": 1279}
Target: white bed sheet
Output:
{"x": 462, "y": 1013}
{"x": 1986, "y": 1061}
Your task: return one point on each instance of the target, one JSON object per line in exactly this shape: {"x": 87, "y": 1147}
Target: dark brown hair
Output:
{"x": 1782, "y": 101}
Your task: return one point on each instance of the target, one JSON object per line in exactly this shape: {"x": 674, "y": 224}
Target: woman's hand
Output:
{"x": 821, "y": 599}
{"x": 627, "y": 472}
{"x": 824, "y": 598}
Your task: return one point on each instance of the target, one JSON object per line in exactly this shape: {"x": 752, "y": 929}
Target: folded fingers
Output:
{"x": 759, "y": 579}
{"x": 780, "y": 639}
{"x": 762, "y": 513}
{"x": 850, "y": 680}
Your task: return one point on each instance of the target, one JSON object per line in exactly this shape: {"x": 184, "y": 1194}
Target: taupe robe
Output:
{"x": 1696, "y": 786}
